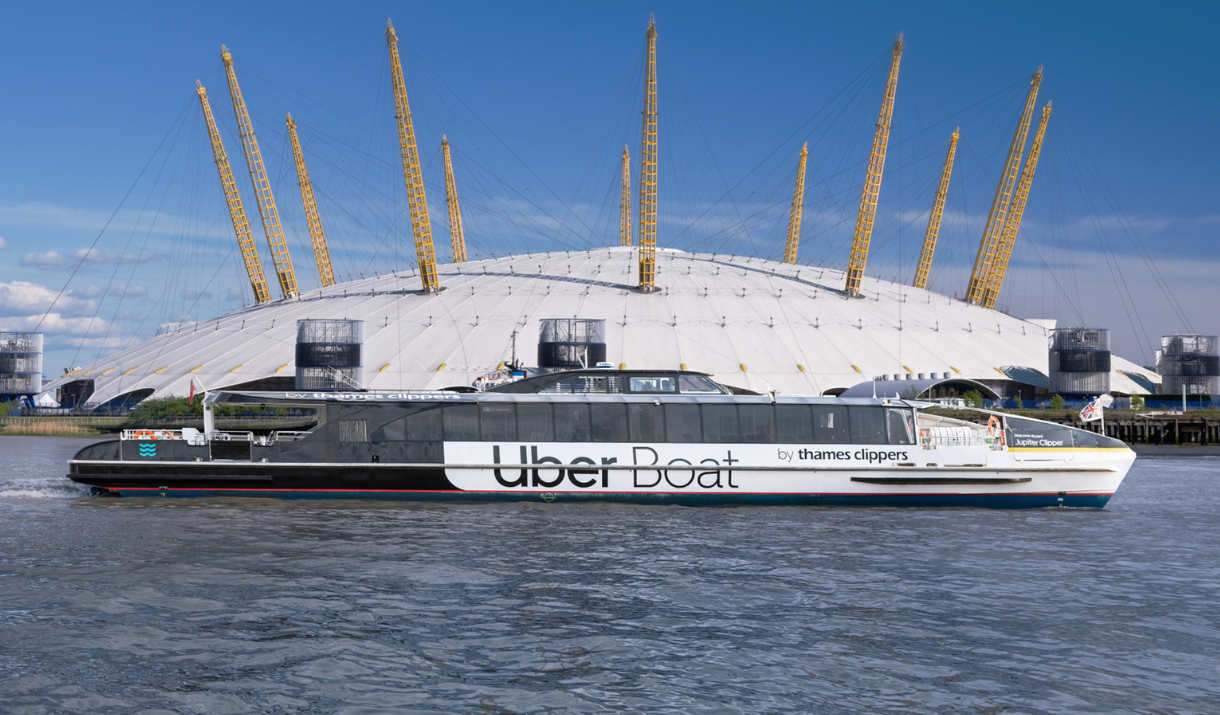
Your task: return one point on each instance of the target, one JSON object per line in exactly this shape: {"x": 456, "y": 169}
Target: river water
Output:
{"x": 236, "y": 606}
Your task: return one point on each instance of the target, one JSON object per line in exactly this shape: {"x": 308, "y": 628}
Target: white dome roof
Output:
{"x": 748, "y": 322}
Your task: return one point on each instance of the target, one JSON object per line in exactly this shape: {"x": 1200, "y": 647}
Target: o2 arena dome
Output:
{"x": 749, "y": 323}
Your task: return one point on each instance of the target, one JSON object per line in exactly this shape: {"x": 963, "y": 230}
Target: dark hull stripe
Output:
{"x": 1027, "y": 500}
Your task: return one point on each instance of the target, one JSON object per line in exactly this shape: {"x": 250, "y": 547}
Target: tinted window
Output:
{"x": 719, "y": 423}
{"x": 609, "y": 423}
{"x": 696, "y": 385}
{"x": 757, "y": 423}
{"x": 425, "y": 425}
{"x": 1084, "y": 438}
{"x": 682, "y": 423}
{"x": 1032, "y": 433}
{"x": 901, "y": 426}
{"x": 646, "y": 423}
{"x": 868, "y": 425}
{"x": 395, "y": 431}
{"x": 653, "y": 384}
{"x": 534, "y": 423}
{"x": 571, "y": 422}
{"x": 830, "y": 425}
{"x": 461, "y": 423}
{"x": 497, "y": 422}
{"x": 794, "y": 424}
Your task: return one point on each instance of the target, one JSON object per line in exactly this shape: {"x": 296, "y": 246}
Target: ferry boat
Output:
{"x": 642, "y": 437}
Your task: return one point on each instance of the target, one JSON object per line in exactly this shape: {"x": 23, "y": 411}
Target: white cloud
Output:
{"x": 174, "y": 326}
{"x": 24, "y": 298}
{"x": 92, "y": 255}
{"x": 55, "y": 324}
{"x": 3, "y": 244}
{"x": 93, "y": 291}
{"x": 110, "y": 343}
{"x": 43, "y": 261}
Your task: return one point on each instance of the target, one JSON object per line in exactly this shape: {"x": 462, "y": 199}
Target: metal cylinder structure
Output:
{"x": 1191, "y": 362}
{"x": 1080, "y": 361}
{"x": 570, "y": 343}
{"x": 329, "y": 355}
{"x": 20, "y": 364}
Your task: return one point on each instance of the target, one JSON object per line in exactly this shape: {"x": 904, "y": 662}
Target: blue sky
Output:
{"x": 538, "y": 101}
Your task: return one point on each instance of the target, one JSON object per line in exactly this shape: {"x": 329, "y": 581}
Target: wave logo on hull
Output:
{"x": 148, "y": 450}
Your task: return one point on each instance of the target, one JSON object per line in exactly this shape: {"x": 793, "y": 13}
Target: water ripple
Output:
{"x": 215, "y": 606}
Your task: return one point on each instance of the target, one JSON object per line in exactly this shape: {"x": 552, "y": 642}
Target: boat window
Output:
{"x": 901, "y": 426}
{"x": 1084, "y": 439}
{"x": 720, "y": 423}
{"x": 1032, "y": 433}
{"x": 586, "y": 384}
{"x": 534, "y": 423}
{"x": 425, "y": 425}
{"x": 653, "y": 384}
{"x": 353, "y": 431}
{"x": 497, "y": 422}
{"x": 697, "y": 385}
{"x": 682, "y": 423}
{"x": 868, "y": 425}
{"x": 392, "y": 431}
{"x": 609, "y": 423}
{"x": 645, "y": 423}
{"x": 830, "y": 425}
{"x": 757, "y": 424}
{"x": 794, "y": 424}
{"x": 572, "y": 422}
{"x": 461, "y": 423}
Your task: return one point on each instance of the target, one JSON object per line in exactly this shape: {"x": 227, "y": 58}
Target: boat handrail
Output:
{"x": 130, "y": 434}
{"x": 219, "y": 436}
{"x": 288, "y": 436}
{"x": 934, "y": 437}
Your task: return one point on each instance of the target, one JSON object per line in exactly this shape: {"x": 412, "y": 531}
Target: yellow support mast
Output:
{"x": 241, "y": 226}
{"x": 938, "y": 212}
{"x": 1003, "y": 196}
{"x": 648, "y": 169}
{"x": 320, "y": 251}
{"x": 417, "y": 202}
{"x": 624, "y": 205}
{"x": 1013, "y": 224}
{"x": 798, "y": 202}
{"x": 455, "y": 213}
{"x": 872, "y": 181}
{"x": 262, "y": 187}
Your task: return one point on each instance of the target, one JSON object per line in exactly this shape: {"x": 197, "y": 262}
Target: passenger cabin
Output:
{"x": 615, "y": 382}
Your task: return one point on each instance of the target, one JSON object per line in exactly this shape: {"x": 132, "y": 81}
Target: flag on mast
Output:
{"x": 1093, "y": 411}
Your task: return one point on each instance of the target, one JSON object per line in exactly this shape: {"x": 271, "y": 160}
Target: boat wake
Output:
{"x": 40, "y": 488}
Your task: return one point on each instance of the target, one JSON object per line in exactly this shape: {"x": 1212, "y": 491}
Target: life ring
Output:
{"x": 144, "y": 434}
{"x": 994, "y": 428}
